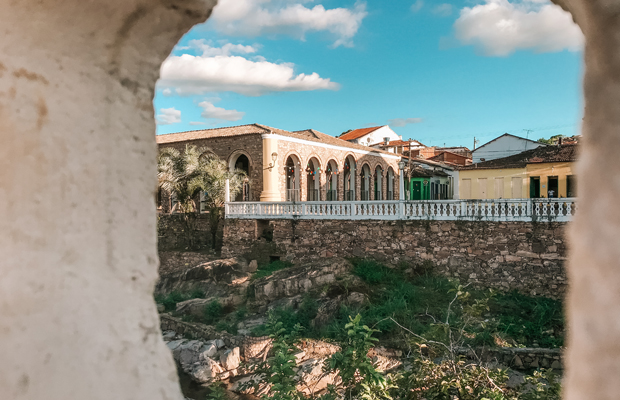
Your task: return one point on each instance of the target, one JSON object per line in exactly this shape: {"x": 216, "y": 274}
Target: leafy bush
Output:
{"x": 372, "y": 272}
{"x": 290, "y": 318}
{"x": 280, "y": 369}
{"x": 217, "y": 392}
{"x": 530, "y": 319}
{"x": 268, "y": 269}
{"x": 453, "y": 380}
{"x": 212, "y": 312}
{"x": 355, "y": 368}
{"x": 544, "y": 385}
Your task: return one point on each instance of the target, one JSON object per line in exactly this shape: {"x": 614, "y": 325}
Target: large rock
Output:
{"x": 212, "y": 277}
{"x": 297, "y": 280}
{"x": 204, "y": 371}
{"x": 312, "y": 379}
{"x": 230, "y": 359}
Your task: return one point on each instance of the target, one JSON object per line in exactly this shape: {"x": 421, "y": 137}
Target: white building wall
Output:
{"x": 503, "y": 146}
{"x": 378, "y": 136}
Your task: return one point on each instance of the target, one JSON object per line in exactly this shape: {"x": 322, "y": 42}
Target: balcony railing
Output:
{"x": 560, "y": 210}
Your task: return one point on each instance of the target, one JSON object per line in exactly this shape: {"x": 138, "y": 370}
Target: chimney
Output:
{"x": 560, "y": 141}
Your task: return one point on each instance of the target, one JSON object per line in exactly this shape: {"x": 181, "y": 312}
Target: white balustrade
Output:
{"x": 560, "y": 210}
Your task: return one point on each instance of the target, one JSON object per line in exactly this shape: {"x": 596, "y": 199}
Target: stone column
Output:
{"x": 271, "y": 169}
{"x": 77, "y": 197}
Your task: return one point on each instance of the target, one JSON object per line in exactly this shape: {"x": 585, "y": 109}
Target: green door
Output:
{"x": 416, "y": 190}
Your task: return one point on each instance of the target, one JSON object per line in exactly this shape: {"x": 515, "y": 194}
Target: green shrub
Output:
{"x": 529, "y": 320}
{"x": 212, "y": 311}
{"x": 268, "y": 269}
{"x": 372, "y": 272}
{"x": 454, "y": 380}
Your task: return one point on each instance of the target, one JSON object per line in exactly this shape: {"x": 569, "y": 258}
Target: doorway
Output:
{"x": 535, "y": 187}
{"x": 552, "y": 187}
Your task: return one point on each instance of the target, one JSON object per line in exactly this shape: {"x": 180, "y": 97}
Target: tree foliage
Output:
{"x": 184, "y": 175}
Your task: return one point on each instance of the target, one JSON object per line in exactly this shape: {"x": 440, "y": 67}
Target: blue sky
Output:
{"x": 439, "y": 72}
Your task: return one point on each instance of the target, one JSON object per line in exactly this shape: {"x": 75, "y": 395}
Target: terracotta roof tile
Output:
{"x": 543, "y": 154}
{"x": 210, "y": 133}
{"x": 307, "y": 134}
{"x": 358, "y": 133}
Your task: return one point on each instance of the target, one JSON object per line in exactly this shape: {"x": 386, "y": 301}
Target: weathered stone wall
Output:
{"x": 172, "y": 233}
{"x": 77, "y": 211}
{"x": 516, "y": 358}
{"x": 514, "y": 255}
{"x": 228, "y": 149}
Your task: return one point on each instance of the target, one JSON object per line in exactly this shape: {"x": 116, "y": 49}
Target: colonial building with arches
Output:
{"x": 302, "y": 165}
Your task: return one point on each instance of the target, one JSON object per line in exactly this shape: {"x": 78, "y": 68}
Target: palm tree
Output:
{"x": 183, "y": 175}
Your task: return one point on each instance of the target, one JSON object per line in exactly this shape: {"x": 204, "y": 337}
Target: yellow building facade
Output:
{"x": 558, "y": 177}
{"x": 538, "y": 173}
{"x": 508, "y": 183}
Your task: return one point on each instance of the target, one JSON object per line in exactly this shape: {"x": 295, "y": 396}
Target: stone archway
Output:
{"x": 78, "y": 212}
{"x": 77, "y": 209}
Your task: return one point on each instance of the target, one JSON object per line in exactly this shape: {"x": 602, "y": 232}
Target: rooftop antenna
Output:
{"x": 527, "y": 136}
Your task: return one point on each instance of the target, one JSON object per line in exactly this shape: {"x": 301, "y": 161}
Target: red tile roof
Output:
{"x": 543, "y": 154}
{"x": 307, "y": 134}
{"x": 358, "y": 133}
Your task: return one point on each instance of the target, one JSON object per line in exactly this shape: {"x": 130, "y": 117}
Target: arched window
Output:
{"x": 292, "y": 178}
{"x": 365, "y": 181}
{"x": 242, "y": 162}
{"x": 313, "y": 173}
{"x": 331, "y": 175}
{"x": 378, "y": 183}
{"x": 349, "y": 178}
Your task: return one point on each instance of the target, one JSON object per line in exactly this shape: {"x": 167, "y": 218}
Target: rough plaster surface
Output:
{"x": 77, "y": 212}
{"x": 593, "y": 356}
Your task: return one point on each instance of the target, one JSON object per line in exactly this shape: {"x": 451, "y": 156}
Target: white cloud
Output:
{"x": 167, "y": 92}
{"x": 443, "y": 10}
{"x": 400, "y": 122}
{"x": 227, "y": 49}
{"x": 417, "y": 6}
{"x": 168, "y": 116}
{"x": 289, "y": 17}
{"x": 188, "y": 74}
{"x": 197, "y": 123}
{"x": 212, "y": 112}
{"x": 500, "y": 27}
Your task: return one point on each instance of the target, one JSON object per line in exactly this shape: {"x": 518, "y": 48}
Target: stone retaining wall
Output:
{"x": 527, "y": 256}
{"x": 172, "y": 233}
{"x": 518, "y": 358}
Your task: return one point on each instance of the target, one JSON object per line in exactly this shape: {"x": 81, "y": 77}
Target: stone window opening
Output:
{"x": 378, "y": 183}
{"x": 242, "y": 162}
{"x": 313, "y": 180}
{"x": 331, "y": 178}
{"x": 365, "y": 183}
{"x": 349, "y": 178}
{"x": 291, "y": 169}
